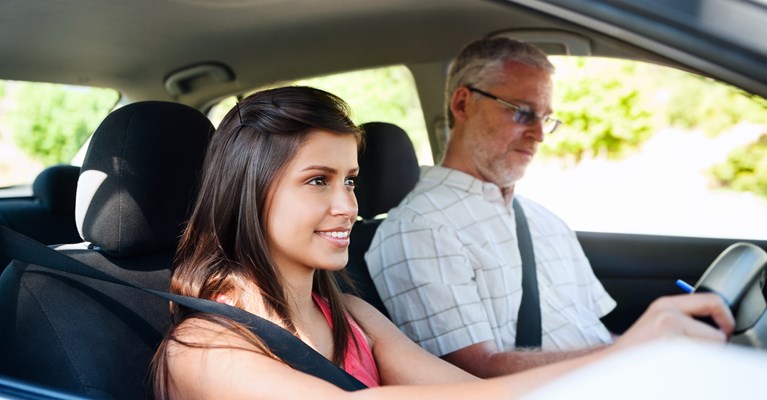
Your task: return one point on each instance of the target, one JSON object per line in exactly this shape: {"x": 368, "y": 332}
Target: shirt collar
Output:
{"x": 462, "y": 181}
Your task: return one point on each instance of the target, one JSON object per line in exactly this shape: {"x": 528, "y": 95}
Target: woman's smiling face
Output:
{"x": 312, "y": 207}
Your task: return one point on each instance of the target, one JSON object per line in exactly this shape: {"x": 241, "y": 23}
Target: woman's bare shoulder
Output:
{"x": 209, "y": 360}
{"x": 376, "y": 325}
{"x": 360, "y": 308}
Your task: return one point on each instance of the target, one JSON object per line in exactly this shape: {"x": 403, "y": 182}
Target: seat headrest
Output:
{"x": 388, "y": 169}
{"x": 55, "y": 187}
{"x": 139, "y": 177}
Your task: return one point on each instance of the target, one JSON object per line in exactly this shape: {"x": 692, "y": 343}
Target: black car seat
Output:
{"x": 92, "y": 337}
{"x": 49, "y": 215}
{"x": 388, "y": 171}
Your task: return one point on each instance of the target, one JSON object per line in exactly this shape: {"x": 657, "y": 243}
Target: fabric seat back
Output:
{"x": 90, "y": 337}
{"x": 388, "y": 171}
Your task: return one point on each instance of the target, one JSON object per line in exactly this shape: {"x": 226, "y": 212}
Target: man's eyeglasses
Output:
{"x": 523, "y": 115}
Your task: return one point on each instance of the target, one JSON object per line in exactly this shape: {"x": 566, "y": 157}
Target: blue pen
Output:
{"x": 685, "y": 286}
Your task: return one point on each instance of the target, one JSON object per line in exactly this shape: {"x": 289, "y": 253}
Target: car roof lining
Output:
{"x": 324, "y": 37}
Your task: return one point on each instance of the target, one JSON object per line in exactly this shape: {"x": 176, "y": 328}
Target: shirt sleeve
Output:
{"x": 594, "y": 296}
{"x": 424, "y": 277}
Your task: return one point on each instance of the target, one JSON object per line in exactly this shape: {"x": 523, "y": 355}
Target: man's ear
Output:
{"x": 459, "y": 103}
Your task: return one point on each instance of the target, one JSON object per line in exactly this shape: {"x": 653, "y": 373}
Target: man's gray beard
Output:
{"x": 509, "y": 177}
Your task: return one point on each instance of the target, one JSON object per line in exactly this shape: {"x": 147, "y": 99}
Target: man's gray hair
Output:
{"x": 481, "y": 63}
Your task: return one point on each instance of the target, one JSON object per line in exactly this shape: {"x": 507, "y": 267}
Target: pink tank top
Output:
{"x": 359, "y": 360}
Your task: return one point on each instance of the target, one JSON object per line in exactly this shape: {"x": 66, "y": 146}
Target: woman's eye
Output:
{"x": 351, "y": 182}
{"x": 319, "y": 181}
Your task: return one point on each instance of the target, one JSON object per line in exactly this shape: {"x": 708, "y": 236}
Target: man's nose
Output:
{"x": 535, "y": 130}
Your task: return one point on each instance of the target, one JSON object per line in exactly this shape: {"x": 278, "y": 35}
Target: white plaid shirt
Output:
{"x": 447, "y": 267}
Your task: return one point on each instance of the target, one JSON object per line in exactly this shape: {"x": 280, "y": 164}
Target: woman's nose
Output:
{"x": 344, "y": 203}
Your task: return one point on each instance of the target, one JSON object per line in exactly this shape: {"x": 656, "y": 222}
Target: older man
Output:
{"x": 447, "y": 262}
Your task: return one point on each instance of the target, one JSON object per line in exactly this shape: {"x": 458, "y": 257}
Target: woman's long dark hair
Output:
{"x": 225, "y": 243}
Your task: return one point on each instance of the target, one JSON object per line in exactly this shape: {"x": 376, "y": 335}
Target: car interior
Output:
{"x": 136, "y": 185}
{"x": 388, "y": 170}
{"x": 123, "y": 209}
{"x": 48, "y": 215}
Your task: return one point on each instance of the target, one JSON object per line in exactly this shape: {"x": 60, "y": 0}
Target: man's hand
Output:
{"x": 674, "y": 316}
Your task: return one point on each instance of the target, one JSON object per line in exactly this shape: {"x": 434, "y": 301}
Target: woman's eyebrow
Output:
{"x": 320, "y": 168}
{"x": 328, "y": 169}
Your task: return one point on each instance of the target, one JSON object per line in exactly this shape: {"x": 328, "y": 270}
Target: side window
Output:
{"x": 385, "y": 94}
{"x": 652, "y": 150}
{"x": 42, "y": 124}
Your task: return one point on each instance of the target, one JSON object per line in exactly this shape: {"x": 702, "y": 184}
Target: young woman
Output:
{"x": 269, "y": 230}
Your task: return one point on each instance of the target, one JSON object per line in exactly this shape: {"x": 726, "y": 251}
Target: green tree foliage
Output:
{"x": 701, "y": 103}
{"x": 52, "y": 122}
{"x": 602, "y": 111}
{"x": 612, "y": 106}
{"x": 745, "y": 169}
{"x": 714, "y": 108}
{"x": 382, "y": 94}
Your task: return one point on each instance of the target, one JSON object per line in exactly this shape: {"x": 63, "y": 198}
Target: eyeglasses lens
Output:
{"x": 550, "y": 125}
{"x": 524, "y": 117}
